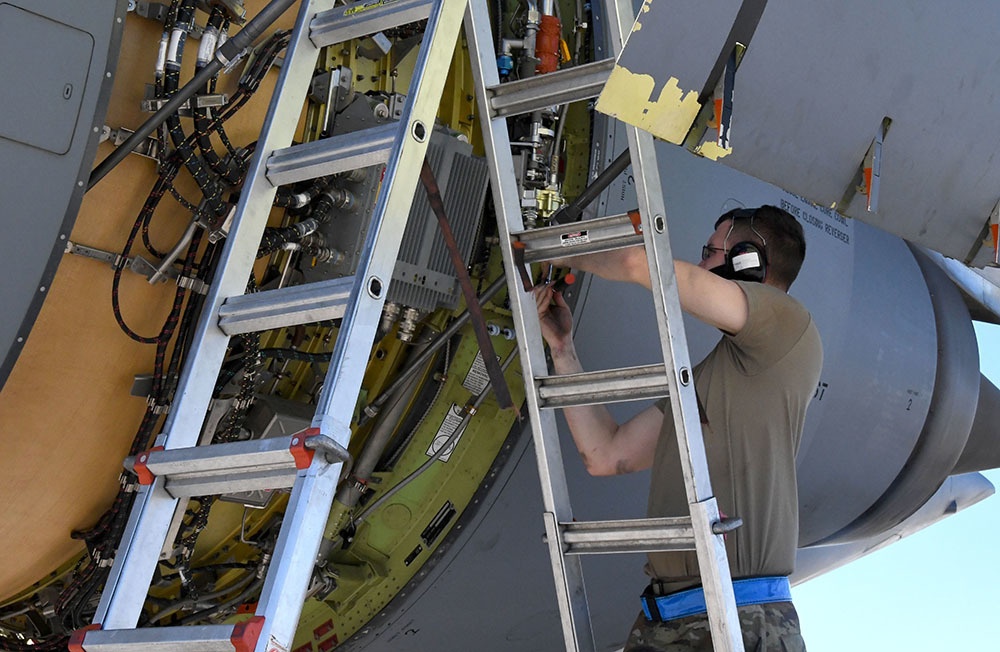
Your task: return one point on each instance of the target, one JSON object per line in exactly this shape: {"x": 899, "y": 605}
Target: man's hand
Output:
{"x": 555, "y": 319}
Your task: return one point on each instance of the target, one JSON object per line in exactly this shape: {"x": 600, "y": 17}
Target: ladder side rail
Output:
{"x": 710, "y": 548}
{"x": 208, "y": 347}
{"x": 712, "y": 559}
{"x": 349, "y": 359}
{"x": 132, "y": 570}
{"x": 673, "y": 341}
{"x": 290, "y": 572}
{"x": 138, "y": 553}
{"x": 568, "y": 571}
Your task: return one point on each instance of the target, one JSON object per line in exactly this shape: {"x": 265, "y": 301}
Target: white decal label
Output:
{"x": 575, "y": 238}
{"x": 477, "y": 378}
{"x": 452, "y": 420}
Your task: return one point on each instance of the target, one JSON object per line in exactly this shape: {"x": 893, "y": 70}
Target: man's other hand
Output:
{"x": 554, "y": 317}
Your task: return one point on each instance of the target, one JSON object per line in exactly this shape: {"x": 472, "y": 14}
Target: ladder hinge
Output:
{"x": 146, "y": 476}
{"x": 246, "y": 633}
{"x": 76, "y": 639}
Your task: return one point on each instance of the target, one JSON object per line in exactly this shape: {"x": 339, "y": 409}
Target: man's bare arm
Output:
{"x": 606, "y": 447}
{"x": 714, "y": 300}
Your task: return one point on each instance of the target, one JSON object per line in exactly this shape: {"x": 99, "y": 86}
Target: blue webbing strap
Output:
{"x": 756, "y": 590}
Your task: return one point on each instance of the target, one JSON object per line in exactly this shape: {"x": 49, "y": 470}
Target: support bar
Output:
{"x": 596, "y": 387}
{"x": 320, "y": 158}
{"x": 561, "y": 87}
{"x": 299, "y": 304}
{"x": 628, "y": 535}
{"x": 346, "y": 22}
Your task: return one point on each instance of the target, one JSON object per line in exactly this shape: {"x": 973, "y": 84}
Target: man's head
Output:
{"x": 772, "y": 231}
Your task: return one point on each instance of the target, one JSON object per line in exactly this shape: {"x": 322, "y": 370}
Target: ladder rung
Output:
{"x": 342, "y": 153}
{"x": 204, "y": 638}
{"x": 298, "y": 304}
{"x": 225, "y": 468}
{"x": 588, "y": 236}
{"x": 628, "y": 535}
{"x": 593, "y": 387}
{"x": 560, "y": 87}
{"x": 357, "y": 19}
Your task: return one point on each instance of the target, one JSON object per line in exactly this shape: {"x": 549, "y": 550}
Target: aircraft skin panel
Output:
{"x": 58, "y": 60}
{"x": 871, "y": 62}
{"x": 818, "y": 79}
{"x": 956, "y": 493}
{"x": 950, "y": 415}
{"x": 981, "y": 451}
{"x": 637, "y": 94}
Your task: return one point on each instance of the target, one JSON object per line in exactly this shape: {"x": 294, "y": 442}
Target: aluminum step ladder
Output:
{"x": 567, "y": 538}
{"x": 308, "y": 462}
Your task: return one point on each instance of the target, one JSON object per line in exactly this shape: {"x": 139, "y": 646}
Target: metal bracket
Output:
{"x": 137, "y": 264}
{"x": 208, "y": 101}
{"x": 867, "y": 179}
{"x": 158, "y": 11}
{"x": 150, "y": 148}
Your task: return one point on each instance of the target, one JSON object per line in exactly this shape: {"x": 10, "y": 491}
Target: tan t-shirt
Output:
{"x": 754, "y": 387}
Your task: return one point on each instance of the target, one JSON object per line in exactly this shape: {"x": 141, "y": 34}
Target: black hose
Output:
{"x": 230, "y": 50}
{"x": 225, "y": 170}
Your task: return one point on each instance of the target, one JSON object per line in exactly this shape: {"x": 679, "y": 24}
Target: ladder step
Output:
{"x": 341, "y": 153}
{"x": 204, "y": 638}
{"x": 598, "y": 387}
{"x": 357, "y": 19}
{"x": 628, "y": 535}
{"x": 560, "y": 87}
{"x": 253, "y": 465}
{"x": 588, "y": 236}
{"x": 298, "y": 304}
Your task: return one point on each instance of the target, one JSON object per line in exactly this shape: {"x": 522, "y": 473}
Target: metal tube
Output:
{"x": 372, "y": 408}
{"x": 469, "y": 413}
{"x": 349, "y": 492}
{"x": 572, "y": 211}
{"x": 176, "y": 252}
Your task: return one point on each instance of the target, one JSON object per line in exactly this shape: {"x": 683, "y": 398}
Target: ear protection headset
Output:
{"x": 745, "y": 260}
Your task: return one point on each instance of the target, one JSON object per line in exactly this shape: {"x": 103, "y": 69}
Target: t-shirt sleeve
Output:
{"x": 775, "y": 323}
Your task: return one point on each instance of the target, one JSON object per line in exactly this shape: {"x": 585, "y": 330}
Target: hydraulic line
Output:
{"x": 212, "y": 35}
{"x": 418, "y": 361}
{"x": 468, "y": 412}
{"x": 207, "y": 182}
{"x": 350, "y": 492}
{"x": 228, "y": 52}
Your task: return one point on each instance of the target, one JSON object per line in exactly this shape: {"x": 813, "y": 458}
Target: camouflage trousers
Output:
{"x": 772, "y": 627}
